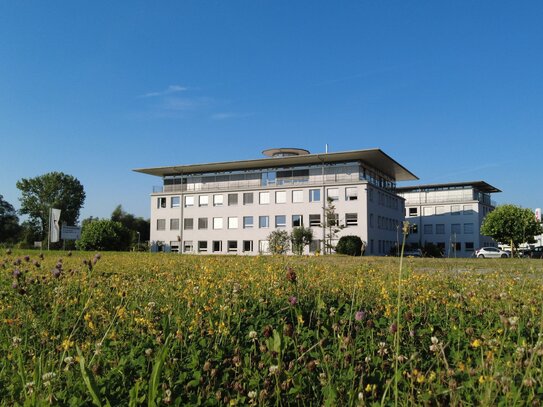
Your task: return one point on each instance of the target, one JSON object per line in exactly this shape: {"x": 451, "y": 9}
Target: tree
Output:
{"x": 278, "y": 241}
{"x": 102, "y": 234}
{"x": 511, "y": 224}
{"x": 9, "y": 222}
{"x": 51, "y": 190}
{"x": 138, "y": 228}
{"x": 331, "y": 223}
{"x": 300, "y": 237}
{"x": 350, "y": 245}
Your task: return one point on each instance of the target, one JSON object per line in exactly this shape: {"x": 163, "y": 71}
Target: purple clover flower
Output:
{"x": 292, "y": 300}
{"x": 360, "y": 315}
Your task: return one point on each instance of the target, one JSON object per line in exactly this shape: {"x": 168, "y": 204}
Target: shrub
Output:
{"x": 350, "y": 245}
{"x": 279, "y": 241}
{"x": 103, "y": 234}
{"x": 300, "y": 238}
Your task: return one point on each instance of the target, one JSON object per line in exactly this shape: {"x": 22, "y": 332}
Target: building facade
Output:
{"x": 449, "y": 215}
{"x": 232, "y": 207}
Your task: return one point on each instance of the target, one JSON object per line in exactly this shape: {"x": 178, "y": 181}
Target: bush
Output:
{"x": 279, "y": 241}
{"x": 103, "y": 234}
{"x": 350, "y": 245}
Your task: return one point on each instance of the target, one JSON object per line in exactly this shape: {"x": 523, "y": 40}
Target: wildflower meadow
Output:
{"x": 165, "y": 329}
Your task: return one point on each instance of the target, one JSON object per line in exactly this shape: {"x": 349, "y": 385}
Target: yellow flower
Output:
{"x": 476, "y": 343}
{"x": 67, "y": 344}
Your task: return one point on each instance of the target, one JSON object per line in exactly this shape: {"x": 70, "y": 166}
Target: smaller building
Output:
{"x": 449, "y": 216}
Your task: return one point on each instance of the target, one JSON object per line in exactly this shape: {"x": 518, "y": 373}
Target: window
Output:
{"x": 202, "y": 223}
{"x": 333, "y": 194}
{"x": 314, "y": 246}
{"x": 371, "y": 198}
{"x": 468, "y": 210}
{"x": 247, "y": 222}
{"x": 174, "y": 246}
{"x": 297, "y": 221}
{"x": 280, "y": 221}
{"x": 247, "y": 246}
{"x": 351, "y": 219}
{"x": 232, "y": 246}
{"x": 217, "y": 246}
{"x": 203, "y": 200}
{"x": 189, "y": 201}
{"x": 333, "y": 220}
{"x": 161, "y": 224}
{"x": 218, "y": 200}
{"x": 161, "y": 203}
{"x": 175, "y": 202}
{"x": 263, "y": 222}
{"x": 351, "y": 194}
{"x": 263, "y": 246}
{"x": 314, "y": 195}
{"x": 456, "y": 209}
{"x": 297, "y": 196}
{"x": 264, "y": 198}
{"x": 281, "y": 197}
{"x": 233, "y": 223}
{"x": 202, "y": 246}
{"x": 174, "y": 224}
{"x": 217, "y": 223}
{"x": 371, "y": 220}
{"x": 187, "y": 246}
{"x": 428, "y": 229}
{"x": 440, "y": 229}
{"x": 247, "y": 198}
{"x": 455, "y": 228}
{"x": 469, "y": 246}
{"x": 315, "y": 220}
{"x": 232, "y": 199}
{"x": 188, "y": 223}
{"x": 468, "y": 228}
{"x": 413, "y": 211}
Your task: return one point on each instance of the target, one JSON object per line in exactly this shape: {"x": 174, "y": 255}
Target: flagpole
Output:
{"x": 49, "y": 229}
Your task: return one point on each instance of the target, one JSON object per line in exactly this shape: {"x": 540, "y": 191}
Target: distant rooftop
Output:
{"x": 374, "y": 158}
{"x": 480, "y": 185}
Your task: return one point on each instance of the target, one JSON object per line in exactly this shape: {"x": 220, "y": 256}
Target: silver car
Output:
{"x": 490, "y": 252}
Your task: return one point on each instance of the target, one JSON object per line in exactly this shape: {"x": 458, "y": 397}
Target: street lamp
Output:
{"x": 138, "y": 249}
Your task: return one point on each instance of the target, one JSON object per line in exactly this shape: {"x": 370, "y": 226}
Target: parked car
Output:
{"x": 413, "y": 253}
{"x": 536, "y": 253}
{"x": 490, "y": 252}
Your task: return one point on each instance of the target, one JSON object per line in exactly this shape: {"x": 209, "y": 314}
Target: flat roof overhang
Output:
{"x": 480, "y": 185}
{"x": 374, "y": 158}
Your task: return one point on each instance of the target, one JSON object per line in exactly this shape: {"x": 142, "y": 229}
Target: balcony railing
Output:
{"x": 251, "y": 184}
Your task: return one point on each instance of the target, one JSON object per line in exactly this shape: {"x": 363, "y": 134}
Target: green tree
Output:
{"x": 51, "y": 190}
{"x": 511, "y": 224}
{"x": 138, "y": 228}
{"x": 300, "y": 237}
{"x": 331, "y": 223}
{"x": 278, "y": 241}
{"x": 9, "y": 222}
{"x": 102, "y": 234}
{"x": 30, "y": 233}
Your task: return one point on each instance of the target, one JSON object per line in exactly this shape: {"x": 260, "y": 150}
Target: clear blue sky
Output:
{"x": 453, "y": 90}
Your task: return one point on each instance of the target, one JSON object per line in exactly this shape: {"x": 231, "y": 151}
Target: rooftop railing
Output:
{"x": 252, "y": 184}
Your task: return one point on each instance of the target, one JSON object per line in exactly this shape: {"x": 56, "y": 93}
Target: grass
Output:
{"x": 159, "y": 329}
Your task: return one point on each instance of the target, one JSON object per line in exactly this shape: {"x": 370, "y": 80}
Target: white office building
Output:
{"x": 232, "y": 207}
{"x": 449, "y": 215}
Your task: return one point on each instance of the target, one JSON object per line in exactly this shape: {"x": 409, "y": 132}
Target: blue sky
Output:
{"x": 453, "y": 90}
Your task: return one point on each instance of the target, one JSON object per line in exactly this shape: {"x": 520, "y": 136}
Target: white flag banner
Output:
{"x": 55, "y": 225}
